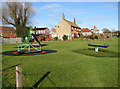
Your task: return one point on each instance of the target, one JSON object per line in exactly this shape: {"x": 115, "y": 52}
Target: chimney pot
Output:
{"x": 63, "y": 17}
{"x": 74, "y": 21}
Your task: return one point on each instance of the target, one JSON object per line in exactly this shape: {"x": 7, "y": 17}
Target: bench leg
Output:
{"x": 96, "y": 49}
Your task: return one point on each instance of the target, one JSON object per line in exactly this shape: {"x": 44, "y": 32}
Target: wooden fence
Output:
{"x": 10, "y": 40}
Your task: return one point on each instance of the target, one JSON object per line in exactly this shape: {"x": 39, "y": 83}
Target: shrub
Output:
{"x": 96, "y": 37}
{"x": 88, "y": 37}
{"x": 56, "y": 38}
{"x": 108, "y": 36}
{"x": 92, "y": 37}
{"x": 75, "y": 36}
{"x": 65, "y": 37}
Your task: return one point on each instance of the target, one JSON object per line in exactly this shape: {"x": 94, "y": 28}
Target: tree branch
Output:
{"x": 6, "y": 20}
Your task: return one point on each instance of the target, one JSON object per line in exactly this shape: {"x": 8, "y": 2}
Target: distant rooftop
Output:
{"x": 40, "y": 28}
{"x": 85, "y": 30}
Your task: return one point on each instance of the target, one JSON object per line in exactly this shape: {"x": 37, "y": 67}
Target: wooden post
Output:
{"x": 18, "y": 77}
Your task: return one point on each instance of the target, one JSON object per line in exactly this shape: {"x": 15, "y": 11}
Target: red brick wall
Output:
{"x": 8, "y": 32}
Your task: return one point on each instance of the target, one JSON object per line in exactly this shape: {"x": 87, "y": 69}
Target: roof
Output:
{"x": 6, "y": 28}
{"x": 85, "y": 30}
{"x": 40, "y": 28}
{"x": 72, "y": 24}
{"x": 10, "y": 35}
{"x": 53, "y": 30}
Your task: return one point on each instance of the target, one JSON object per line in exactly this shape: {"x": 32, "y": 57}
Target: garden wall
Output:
{"x": 10, "y": 40}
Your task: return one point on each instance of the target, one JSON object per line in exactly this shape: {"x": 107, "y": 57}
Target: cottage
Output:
{"x": 68, "y": 28}
{"x": 7, "y": 32}
{"x": 86, "y": 32}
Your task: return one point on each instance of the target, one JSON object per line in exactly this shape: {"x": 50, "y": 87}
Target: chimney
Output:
{"x": 63, "y": 17}
{"x": 94, "y": 26}
{"x": 74, "y": 21}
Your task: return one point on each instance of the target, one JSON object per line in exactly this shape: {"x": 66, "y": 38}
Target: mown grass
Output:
{"x": 102, "y": 52}
{"x": 67, "y": 68}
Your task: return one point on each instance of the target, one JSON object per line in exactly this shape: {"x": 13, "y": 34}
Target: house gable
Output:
{"x": 85, "y": 31}
{"x": 63, "y": 28}
{"x": 7, "y": 32}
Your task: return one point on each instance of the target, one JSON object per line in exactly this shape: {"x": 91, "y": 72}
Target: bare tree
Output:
{"x": 19, "y": 15}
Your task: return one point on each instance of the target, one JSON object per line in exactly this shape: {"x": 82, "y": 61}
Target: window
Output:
{"x": 58, "y": 26}
{"x": 40, "y": 32}
{"x": 72, "y": 35}
{"x": 59, "y": 36}
{"x": 11, "y": 32}
{"x": 67, "y": 35}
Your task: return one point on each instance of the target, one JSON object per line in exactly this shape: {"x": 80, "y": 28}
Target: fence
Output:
{"x": 19, "y": 77}
{"x": 11, "y": 40}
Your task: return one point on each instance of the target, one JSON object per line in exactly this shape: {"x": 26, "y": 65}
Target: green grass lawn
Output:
{"x": 71, "y": 66}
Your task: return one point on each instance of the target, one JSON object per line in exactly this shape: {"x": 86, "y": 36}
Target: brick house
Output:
{"x": 7, "y": 32}
{"x": 41, "y": 33}
{"x": 68, "y": 28}
{"x": 86, "y": 32}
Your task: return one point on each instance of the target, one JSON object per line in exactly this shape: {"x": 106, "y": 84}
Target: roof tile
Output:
{"x": 72, "y": 24}
{"x": 85, "y": 30}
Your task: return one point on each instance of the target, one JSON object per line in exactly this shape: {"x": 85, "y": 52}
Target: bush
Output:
{"x": 96, "y": 37}
{"x": 65, "y": 37}
{"x": 108, "y": 36}
{"x": 56, "y": 38}
{"x": 88, "y": 37}
{"x": 75, "y": 36}
{"x": 92, "y": 37}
